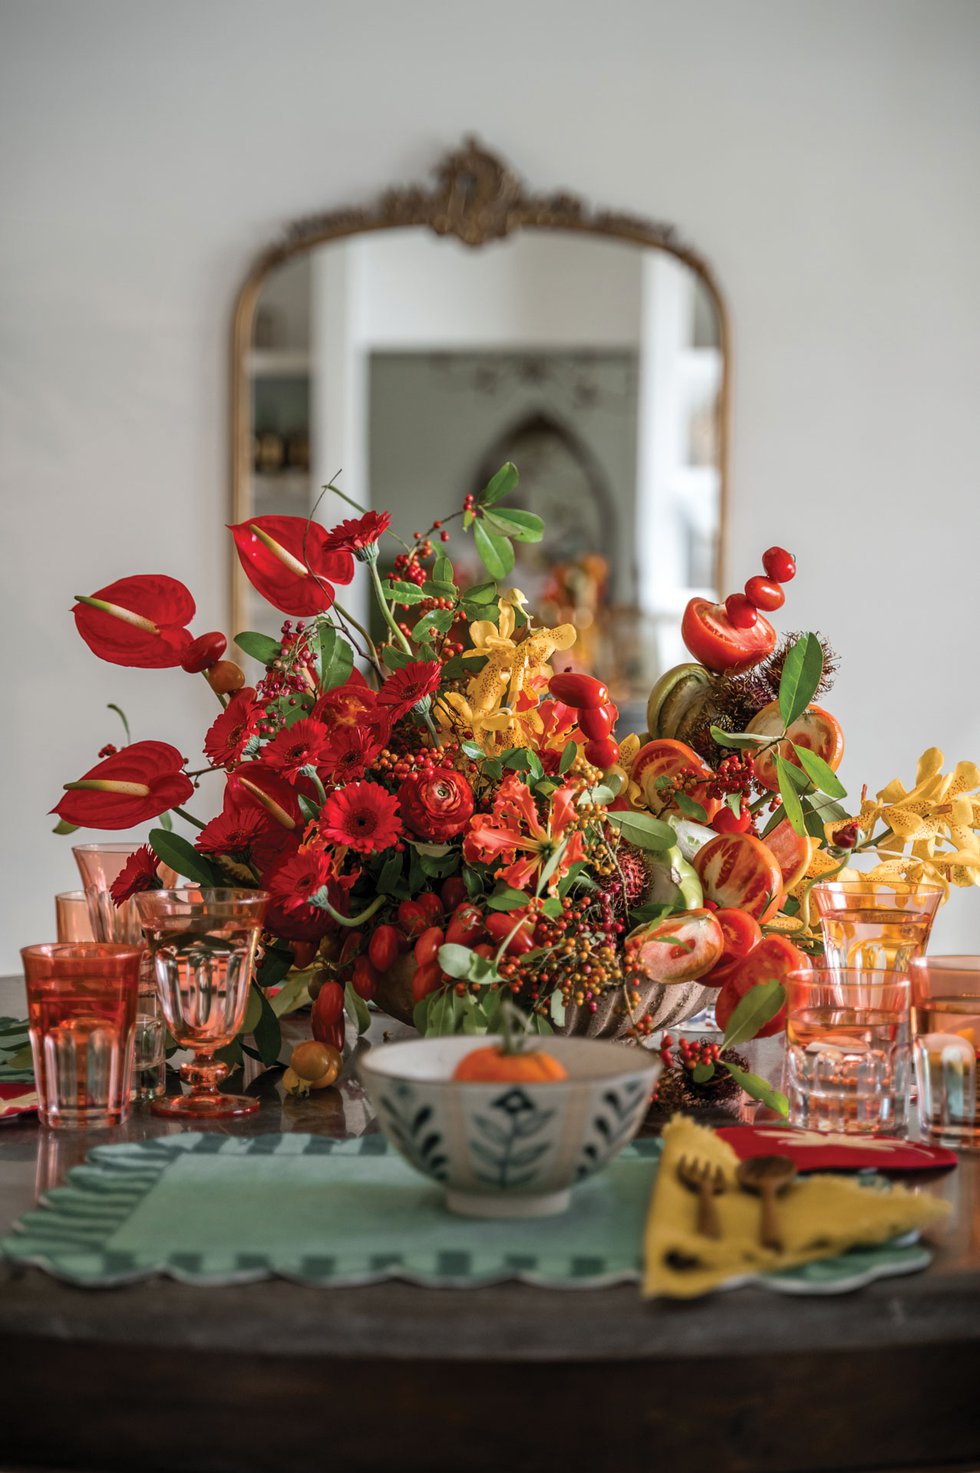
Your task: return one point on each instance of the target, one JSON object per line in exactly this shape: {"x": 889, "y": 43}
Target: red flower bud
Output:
{"x": 203, "y": 652}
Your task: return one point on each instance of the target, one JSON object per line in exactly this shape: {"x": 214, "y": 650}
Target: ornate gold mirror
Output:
{"x": 408, "y": 348}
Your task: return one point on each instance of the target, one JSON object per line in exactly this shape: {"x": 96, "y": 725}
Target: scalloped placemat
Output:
{"x": 211, "y": 1209}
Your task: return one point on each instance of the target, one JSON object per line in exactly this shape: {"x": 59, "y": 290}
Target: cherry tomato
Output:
{"x": 779, "y": 564}
{"x": 770, "y": 961}
{"x": 715, "y": 642}
{"x": 203, "y": 652}
{"x": 466, "y": 926}
{"x": 304, "y": 953}
{"x": 311, "y": 1060}
{"x": 428, "y": 944}
{"x": 383, "y": 948}
{"x": 596, "y": 721}
{"x": 727, "y": 822}
{"x": 365, "y": 978}
{"x": 791, "y": 851}
{"x": 816, "y": 730}
{"x": 741, "y": 931}
{"x": 453, "y": 892}
{"x": 430, "y": 905}
{"x": 665, "y": 757}
{"x": 501, "y": 923}
{"x": 681, "y": 948}
{"x": 764, "y": 593}
{"x": 225, "y": 677}
{"x": 740, "y": 873}
{"x": 328, "y": 1010}
{"x": 741, "y": 610}
{"x": 602, "y": 752}
{"x": 413, "y": 917}
{"x": 580, "y": 691}
{"x": 426, "y": 980}
{"x": 350, "y": 946}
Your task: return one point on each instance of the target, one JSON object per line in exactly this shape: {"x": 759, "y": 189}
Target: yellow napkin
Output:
{"x": 819, "y": 1216}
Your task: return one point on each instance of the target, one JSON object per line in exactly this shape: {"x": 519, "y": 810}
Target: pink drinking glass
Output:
{"x": 203, "y": 946}
{"x": 878, "y": 925}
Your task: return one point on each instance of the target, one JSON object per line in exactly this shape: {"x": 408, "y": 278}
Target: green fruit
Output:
{"x": 672, "y": 695}
{"x": 674, "y": 881}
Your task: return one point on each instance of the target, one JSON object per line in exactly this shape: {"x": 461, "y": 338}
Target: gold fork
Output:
{"x": 708, "y": 1181}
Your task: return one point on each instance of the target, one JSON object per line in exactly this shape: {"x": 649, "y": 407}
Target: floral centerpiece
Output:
{"x": 444, "y": 818}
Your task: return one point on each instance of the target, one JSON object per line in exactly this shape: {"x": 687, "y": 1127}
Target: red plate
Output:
{"x": 814, "y": 1150}
{"x": 17, "y": 1099}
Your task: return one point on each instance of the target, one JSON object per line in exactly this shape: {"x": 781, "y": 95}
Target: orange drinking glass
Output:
{"x": 203, "y": 944}
{"x": 875, "y": 925}
{"x": 81, "y": 1005}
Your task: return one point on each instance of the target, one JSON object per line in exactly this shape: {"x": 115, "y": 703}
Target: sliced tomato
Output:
{"x": 719, "y": 975}
{"x": 726, "y": 1002}
{"x": 665, "y": 757}
{"x": 771, "y": 961}
{"x": 681, "y": 948}
{"x": 738, "y": 871}
{"x": 741, "y": 931}
{"x": 791, "y": 851}
{"x": 816, "y": 730}
{"x": 713, "y": 639}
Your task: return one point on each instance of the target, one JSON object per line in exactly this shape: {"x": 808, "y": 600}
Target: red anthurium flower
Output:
{"x": 301, "y": 745}
{"x": 138, "y": 783}
{"x": 357, "y": 533}
{"x": 404, "y": 688}
{"x": 138, "y": 873}
{"x": 137, "y": 621}
{"x": 291, "y": 563}
{"x": 253, "y": 785}
{"x": 229, "y": 735}
{"x": 362, "y": 815}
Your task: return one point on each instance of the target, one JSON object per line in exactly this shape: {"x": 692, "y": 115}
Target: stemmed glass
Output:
{"x": 203, "y": 944}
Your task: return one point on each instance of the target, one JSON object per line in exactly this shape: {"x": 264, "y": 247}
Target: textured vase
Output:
{"x": 666, "y": 1003}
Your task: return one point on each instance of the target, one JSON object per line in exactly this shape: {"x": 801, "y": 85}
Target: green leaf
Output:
{"x": 253, "y": 1009}
{"x": 267, "y": 1033}
{"x": 308, "y": 808}
{"x": 568, "y": 754}
{"x": 790, "y": 797}
{"x": 774, "y": 820}
{"x": 275, "y": 964}
{"x": 481, "y": 594}
{"x": 64, "y": 827}
{"x": 455, "y": 959}
{"x": 500, "y": 485}
{"x": 183, "y": 857}
{"x": 508, "y": 899}
{"x": 473, "y": 750}
{"x": 357, "y": 1009}
{"x": 753, "y": 1012}
{"x": 122, "y": 717}
{"x": 820, "y": 774}
{"x": 441, "y": 619}
{"x": 166, "y": 822}
{"x": 443, "y": 571}
{"x": 652, "y": 911}
{"x": 701, "y": 1073}
{"x": 736, "y": 739}
{"x": 643, "y": 830}
{"x": 523, "y": 526}
{"x": 395, "y": 658}
{"x": 557, "y": 1009}
{"x": 259, "y": 646}
{"x": 802, "y": 671}
{"x": 389, "y": 875}
{"x": 496, "y": 553}
{"x": 758, "y": 1088}
{"x": 552, "y": 907}
{"x": 690, "y": 808}
{"x": 420, "y": 1014}
{"x": 821, "y": 810}
{"x": 336, "y": 658}
{"x": 404, "y": 593}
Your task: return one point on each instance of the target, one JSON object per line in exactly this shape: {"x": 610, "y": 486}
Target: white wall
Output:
{"x": 821, "y": 153}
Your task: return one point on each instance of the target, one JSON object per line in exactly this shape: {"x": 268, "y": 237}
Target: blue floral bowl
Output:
{"x": 508, "y": 1150}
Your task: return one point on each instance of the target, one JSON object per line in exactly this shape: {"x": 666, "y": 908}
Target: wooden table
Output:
{"x": 162, "y": 1376}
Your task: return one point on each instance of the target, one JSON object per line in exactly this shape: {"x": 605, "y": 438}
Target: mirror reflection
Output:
{"x": 408, "y": 367}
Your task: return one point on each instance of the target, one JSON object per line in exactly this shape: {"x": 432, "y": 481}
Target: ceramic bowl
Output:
{"x": 508, "y": 1150}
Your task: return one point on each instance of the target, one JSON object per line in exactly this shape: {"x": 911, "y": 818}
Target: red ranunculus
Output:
{"x": 138, "y": 783}
{"x": 290, "y": 563}
{"x": 404, "y": 688}
{"x": 137, "y": 621}
{"x": 138, "y": 873}
{"x": 363, "y": 816}
{"x": 436, "y": 805}
{"x": 356, "y": 533}
{"x": 229, "y": 735}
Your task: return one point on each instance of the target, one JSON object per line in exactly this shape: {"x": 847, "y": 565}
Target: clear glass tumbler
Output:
{"x": 81, "y": 1005}
{"x": 203, "y": 944}
{"x": 946, "y": 1031}
{"x": 848, "y": 1054}
{"x": 72, "y": 917}
{"x": 875, "y": 924}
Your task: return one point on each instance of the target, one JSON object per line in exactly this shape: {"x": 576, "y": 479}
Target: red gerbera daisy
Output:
{"x": 232, "y": 832}
{"x": 362, "y": 815}
{"x": 301, "y": 745}
{"x": 349, "y": 751}
{"x": 404, "y": 688}
{"x": 230, "y": 734}
{"x": 356, "y": 533}
{"x": 138, "y": 873}
{"x": 293, "y": 884}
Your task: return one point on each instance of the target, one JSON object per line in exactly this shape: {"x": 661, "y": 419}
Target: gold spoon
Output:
{"x": 767, "y": 1176}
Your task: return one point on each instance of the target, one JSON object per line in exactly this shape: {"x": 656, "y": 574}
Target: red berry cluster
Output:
{"x": 762, "y": 592}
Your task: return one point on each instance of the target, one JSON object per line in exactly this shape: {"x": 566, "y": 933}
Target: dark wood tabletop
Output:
{"x": 163, "y": 1376}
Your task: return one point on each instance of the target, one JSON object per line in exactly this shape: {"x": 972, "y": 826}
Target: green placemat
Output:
{"x": 15, "y": 1052}
{"x": 214, "y": 1209}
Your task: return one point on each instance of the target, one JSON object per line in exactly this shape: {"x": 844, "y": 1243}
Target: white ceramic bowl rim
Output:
{"x": 430, "y": 1061}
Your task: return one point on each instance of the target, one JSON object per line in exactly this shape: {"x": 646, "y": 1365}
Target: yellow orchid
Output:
{"x": 938, "y": 811}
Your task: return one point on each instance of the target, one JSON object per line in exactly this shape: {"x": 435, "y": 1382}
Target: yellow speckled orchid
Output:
{"x": 500, "y": 704}
{"x": 937, "y": 812}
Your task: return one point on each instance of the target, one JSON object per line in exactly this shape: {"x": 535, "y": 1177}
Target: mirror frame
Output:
{"x": 478, "y": 199}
